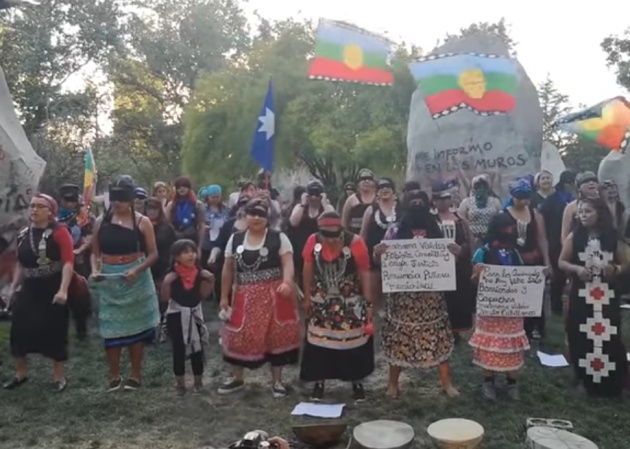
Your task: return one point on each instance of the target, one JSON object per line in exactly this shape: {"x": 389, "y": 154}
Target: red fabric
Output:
{"x": 187, "y": 275}
{"x": 358, "y": 249}
{"x": 62, "y": 237}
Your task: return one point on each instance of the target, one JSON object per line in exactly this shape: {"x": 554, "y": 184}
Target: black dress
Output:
{"x": 356, "y": 215}
{"x": 461, "y": 302}
{"x": 597, "y": 353}
{"x": 298, "y": 235}
{"x": 39, "y": 326}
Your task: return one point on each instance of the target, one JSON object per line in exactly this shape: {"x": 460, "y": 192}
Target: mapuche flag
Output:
{"x": 344, "y": 52}
{"x": 484, "y": 84}
{"x": 89, "y": 177}
{"x": 607, "y": 124}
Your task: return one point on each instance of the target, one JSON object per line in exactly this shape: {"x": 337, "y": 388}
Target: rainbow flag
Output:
{"x": 344, "y": 52}
{"x": 484, "y": 84}
{"x": 89, "y": 177}
{"x": 607, "y": 124}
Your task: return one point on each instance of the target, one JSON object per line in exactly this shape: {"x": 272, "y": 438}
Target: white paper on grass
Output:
{"x": 554, "y": 361}
{"x": 318, "y": 410}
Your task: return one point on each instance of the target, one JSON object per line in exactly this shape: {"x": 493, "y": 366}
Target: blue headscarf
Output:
{"x": 212, "y": 190}
{"x": 521, "y": 188}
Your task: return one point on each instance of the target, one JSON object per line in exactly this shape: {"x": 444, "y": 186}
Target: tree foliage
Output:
{"x": 333, "y": 129}
{"x": 554, "y": 105}
{"x": 500, "y": 29}
{"x": 618, "y": 50}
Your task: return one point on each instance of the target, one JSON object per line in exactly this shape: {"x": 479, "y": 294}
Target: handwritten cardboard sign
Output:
{"x": 511, "y": 291}
{"x": 418, "y": 265}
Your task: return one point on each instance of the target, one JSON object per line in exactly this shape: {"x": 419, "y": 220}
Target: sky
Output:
{"x": 553, "y": 37}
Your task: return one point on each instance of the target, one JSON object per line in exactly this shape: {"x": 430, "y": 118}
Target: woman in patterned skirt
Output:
{"x": 499, "y": 343}
{"x": 338, "y": 341}
{"x": 592, "y": 256}
{"x": 417, "y": 332}
{"x": 262, "y": 323}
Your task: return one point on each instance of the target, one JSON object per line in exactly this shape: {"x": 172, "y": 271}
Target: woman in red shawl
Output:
{"x": 44, "y": 271}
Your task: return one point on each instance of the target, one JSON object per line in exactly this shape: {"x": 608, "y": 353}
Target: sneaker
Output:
{"x": 60, "y": 385}
{"x": 318, "y": 392}
{"x": 114, "y": 385}
{"x": 489, "y": 391}
{"x": 279, "y": 391}
{"x": 15, "y": 383}
{"x": 131, "y": 385}
{"x": 231, "y": 385}
{"x": 513, "y": 393}
{"x": 181, "y": 390}
{"x": 358, "y": 393}
{"x": 198, "y": 388}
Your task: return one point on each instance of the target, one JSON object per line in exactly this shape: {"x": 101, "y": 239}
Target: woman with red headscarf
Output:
{"x": 44, "y": 271}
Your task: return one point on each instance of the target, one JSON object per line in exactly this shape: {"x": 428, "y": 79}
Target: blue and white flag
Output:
{"x": 263, "y": 144}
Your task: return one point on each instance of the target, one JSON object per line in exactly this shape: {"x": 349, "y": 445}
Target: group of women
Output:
{"x": 266, "y": 257}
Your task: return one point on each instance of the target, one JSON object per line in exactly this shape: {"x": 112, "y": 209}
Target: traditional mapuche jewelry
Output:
{"x": 332, "y": 273}
{"x": 40, "y": 249}
{"x": 390, "y": 220}
{"x": 521, "y": 229}
{"x": 263, "y": 254}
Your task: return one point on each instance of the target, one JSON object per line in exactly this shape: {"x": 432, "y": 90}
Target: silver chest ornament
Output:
{"x": 332, "y": 272}
{"x": 521, "y": 229}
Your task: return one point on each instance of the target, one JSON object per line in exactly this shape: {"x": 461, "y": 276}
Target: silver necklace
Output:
{"x": 390, "y": 219}
{"x": 333, "y": 272}
{"x": 40, "y": 250}
{"x": 263, "y": 254}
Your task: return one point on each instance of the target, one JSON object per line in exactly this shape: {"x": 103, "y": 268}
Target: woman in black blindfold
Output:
{"x": 263, "y": 323}
{"x": 339, "y": 337}
{"x": 124, "y": 247}
{"x": 417, "y": 331}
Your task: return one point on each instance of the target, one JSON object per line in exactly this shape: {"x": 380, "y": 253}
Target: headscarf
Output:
{"x": 212, "y": 190}
{"x": 417, "y": 216}
{"x": 51, "y": 203}
{"x": 521, "y": 189}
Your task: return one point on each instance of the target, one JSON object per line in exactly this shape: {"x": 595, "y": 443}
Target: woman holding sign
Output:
{"x": 591, "y": 255}
{"x": 417, "y": 331}
{"x": 499, "y": 343}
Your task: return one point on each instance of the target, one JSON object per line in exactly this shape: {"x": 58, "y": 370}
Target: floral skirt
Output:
{"x": 417, "y": 332}
{"x": 499, "y": 343}
{"x": 264, "y": 327}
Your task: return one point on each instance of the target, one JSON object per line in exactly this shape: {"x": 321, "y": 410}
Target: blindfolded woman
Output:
{"x": 263, "y": 324}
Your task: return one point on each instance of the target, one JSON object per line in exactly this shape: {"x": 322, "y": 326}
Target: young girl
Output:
{"x": 184, "y": 287}
{"x": 499, "y": 343}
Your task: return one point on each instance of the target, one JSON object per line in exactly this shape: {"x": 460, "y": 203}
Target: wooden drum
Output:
{"x": 550, "y": 438}
{"x": 382, "y": 434}
{"x": 456, "y": 433}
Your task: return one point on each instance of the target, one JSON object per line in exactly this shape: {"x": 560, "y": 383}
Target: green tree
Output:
{"x": 331, "y": 128}
{"x": 554, "y": 105}
{"x": 500, "y": 29}
{"x": 618, "y": 50}
{"x": 583, "y": 155}
{"x": 169, "y": 45}
{"x": 41, "y": 49}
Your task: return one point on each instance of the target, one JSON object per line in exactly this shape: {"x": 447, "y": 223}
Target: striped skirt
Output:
{"x": 128, "y": 312}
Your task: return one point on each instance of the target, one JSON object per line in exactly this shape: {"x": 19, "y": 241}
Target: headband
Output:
{"x": 257, "y": 208}
{"x": 50, "y": 201}
{"x": 384, "y": 184}
{"x": 125, "y": 194}
{"x": 329, "y": 222}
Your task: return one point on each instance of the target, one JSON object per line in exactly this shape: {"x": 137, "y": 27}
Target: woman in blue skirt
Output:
{"x": 123, "y": 250}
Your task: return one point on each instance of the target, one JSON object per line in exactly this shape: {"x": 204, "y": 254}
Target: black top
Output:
{"x": 187, "y": 298}
{"x": 356, "y": 215}
{"x": 552, "y": 211}
{"x": 250, "y": 258}
{"x": 28, "y": 256}
{"x": 164, "y": 239}
{"x": 117, "y": 240}
{"x": 531, "y": 241}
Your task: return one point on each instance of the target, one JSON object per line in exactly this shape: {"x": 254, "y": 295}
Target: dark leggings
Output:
{"x": 174, "y": 326}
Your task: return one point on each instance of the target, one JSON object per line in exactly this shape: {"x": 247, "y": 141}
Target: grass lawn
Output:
{"x": 154, "y": 417}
